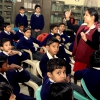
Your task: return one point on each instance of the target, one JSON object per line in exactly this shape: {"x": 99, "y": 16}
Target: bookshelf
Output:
{"x": 6, "y": 9}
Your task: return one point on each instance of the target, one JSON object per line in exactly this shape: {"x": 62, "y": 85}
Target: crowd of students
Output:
{"x": 54, "y": 62}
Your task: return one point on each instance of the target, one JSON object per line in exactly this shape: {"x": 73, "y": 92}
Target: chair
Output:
{"x": 76, "y": 95}
{"x": 86, "y": 90}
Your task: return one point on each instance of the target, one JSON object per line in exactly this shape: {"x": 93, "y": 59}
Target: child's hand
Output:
{"x": 41, "y": 50}
{"x": 83, "y": 36}
{"x": 13, "y": 31}
{"x": 36, "y": 30}
{"x": 14, "y": 66}
{"x": 14, "y": 52}
{"x": 67, "y": 14}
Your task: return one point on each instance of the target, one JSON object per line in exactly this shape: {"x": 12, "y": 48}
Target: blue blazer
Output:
{"x": 46, "y": 39}
{"x": 91, "y": 77}
{"x": 45, "y": 88}
{"x": 43, "y": 64}
{"x": 13, "y": 79}
{"x": 19, "y": 35}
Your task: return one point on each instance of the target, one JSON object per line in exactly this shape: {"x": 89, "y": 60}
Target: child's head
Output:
{"x": 95, "y": 59}
{"x": 21, "y": 26}
{"x": 4, "y": 66}
{"x": 22, "y": 10}
{"x": 27, "y": 32}
{"x": 37, "y": 8}
{"x": 57, "y": 36}
{"x": 60, "y": 91}
{"x": 5, "y": 44}
{"x": 56, "y": 70}
{"x": 54, "y": 28}
{"x": 61, "y": 27}
{"x": 6, "y": 92}
{"x": 52, "y": 46}
{"x": 7, "y": 27}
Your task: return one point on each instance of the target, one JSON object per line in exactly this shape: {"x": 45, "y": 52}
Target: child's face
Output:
{"x": 6, "y": 46}
{"x": 58, "y": 75}
{"x": 53, "y": 48}
{"x": 22, "y": 11}
{"x": 27, "y": 33}
{"x": 58, "y": 38}
{"x": 54, "y": 30}
{"x": 7, "y": 28}
{"x": 21, "y": 28}
{"x": 5, "y": 67}
{"x": 12, "y": 97}
{"x": 38, "y": 9}
{"x": 61, "y": 28}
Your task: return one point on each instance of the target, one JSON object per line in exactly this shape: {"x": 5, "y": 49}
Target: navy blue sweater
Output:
{"x": 37, "y": 22}
{"x": 21, "y": 19}
{"x": 5, "y": 35}
{"x": 28, "y": 44}
{"x": 46, "y": 39}
{"x": 92, "y": 80}
{"x": 19, "y": 35}
{"x": 15, "y": 59}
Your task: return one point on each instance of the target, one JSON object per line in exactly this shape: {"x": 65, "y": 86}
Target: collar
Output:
{"x": 3, "y": 74}
{"x": 21, "y": 14}
{"x": 60, "y": 33}
{"x": 25, "y": 37}
{"x": 20, "y": 31}
{"x": 7, "y": 32}
{"x": 52, "y": 33}
{"x": 96, "y": 68}
{"x": 51, "y": 80}
{"x": 49, "y": 56}
{"x": 5, "y": 53}
{"x": 37, "y": 13}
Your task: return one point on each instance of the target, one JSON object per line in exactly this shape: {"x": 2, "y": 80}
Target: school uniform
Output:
{"x": 19, "y": 35}
{"x": 8, "y": 35}
{"x": 91, "y": 77}
{"x": 46, "y": 39}
{"x": 13, "y": 77}
{"x": 21, "y": 18}
{"x": 43, "y": 62}
{"x": 37, "y": 22}
{"x": 27, "y": 43}
{"x": 46, "y": 88}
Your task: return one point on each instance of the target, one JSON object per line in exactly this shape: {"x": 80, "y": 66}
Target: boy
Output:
{"x": 53, "y": 48}
{"x": 20, "y": 33}
{"x": 61, "y": 91}
{"x": 6, "y": 92}
{"x": 27, "y": 42}
{"x": 15, "y": 57}
{"x": 56, "y": 72}
{"x": 21, "y": 17}
{"x": 37, "y": 21}
{"x": 13, "y": 74}
{"x": 7, "y": 33}
{"x": 91, "y": 75}
{"x": 53, "y": 30}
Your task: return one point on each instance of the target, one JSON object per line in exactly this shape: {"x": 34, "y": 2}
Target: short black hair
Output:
{"x": 95, "y": 59}
{"x": 21, "y": 8}
{"x": 55, "y": 63}
{"x": 5, "y": 24}
{"x": 61, "y": 24}
{"x": 3, "y": 59}
{"x": 25, "y": 29}
{"x": 93, "y": 12}
{"x": 37, "y": 6}
{"x": 55, "y": 35}
{"x": 20, "y": 24}
{"x": 52, "y": 26}
{"x": 61, "y": 91}
{"x": 52, "y": 40}
{"x": 5, "y": 91}
{"x": 2, "y": 41}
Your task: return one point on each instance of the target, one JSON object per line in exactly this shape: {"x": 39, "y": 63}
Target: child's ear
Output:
{"x": 47, "y": 47}
{"x": 49, "y": 74}
{"x": 1, "y": 48}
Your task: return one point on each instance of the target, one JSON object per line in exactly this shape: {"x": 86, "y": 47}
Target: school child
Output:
{"x": 21, "y": 17}
{"x": 37, "y": 21}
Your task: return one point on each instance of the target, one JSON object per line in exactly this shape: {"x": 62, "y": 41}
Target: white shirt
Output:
{"x": 20, "y": 31}
{"x": 22, "y": 14}
{"x": 60, "y": 33}
{"x": 49, "y": 56}
{"x": 4, "y": 75}
{"x": 7, "y": 32}
{"x": 96, "y": 68}
{"x": 52, "y": 33}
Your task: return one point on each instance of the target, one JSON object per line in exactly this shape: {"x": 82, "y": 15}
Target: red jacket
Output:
{"x": 82, "y": 51}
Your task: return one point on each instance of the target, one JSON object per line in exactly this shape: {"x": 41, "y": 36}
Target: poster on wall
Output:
{"x": 91, "y": 3}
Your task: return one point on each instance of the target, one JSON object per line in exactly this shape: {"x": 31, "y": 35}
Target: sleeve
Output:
{"x": 72, "y": 27}
{"x": 32, "y": 22}
{"x": 42, "y": 22}
{"x": 94, "y": 44}
{"x": 16, "y": 21}
{"x": 66, "y": 39}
